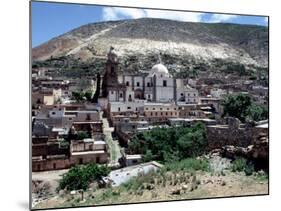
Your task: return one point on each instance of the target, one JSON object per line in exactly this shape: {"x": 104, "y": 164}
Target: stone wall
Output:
{"x": 64, "y": 163}
{"x": 231, "y": 133}
{"x": 50, "y": 164}
{"x": 219, "y": 136}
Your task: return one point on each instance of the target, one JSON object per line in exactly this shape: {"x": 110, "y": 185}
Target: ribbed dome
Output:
{"x": 159, "y": 68}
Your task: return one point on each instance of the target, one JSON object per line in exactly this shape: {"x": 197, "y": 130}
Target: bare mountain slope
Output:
{"x": 245, "y": 44}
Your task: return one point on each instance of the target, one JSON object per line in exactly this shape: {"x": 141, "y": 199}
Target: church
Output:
{"x": 156, "y": 85}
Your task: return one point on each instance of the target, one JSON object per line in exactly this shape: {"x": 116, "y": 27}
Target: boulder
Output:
{"x": 184, "y": 187}
{"x": 176, "y": 191}
{"x": 73, "y": 192}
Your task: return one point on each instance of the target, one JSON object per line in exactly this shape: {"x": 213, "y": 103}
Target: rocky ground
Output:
{"x": 220, "y": 181}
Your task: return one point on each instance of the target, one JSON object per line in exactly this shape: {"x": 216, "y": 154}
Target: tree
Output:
{"x": 148, "y": 156}
{"x": 170, "y": 144}
{"x": 88, "y": 95}
{"x": 79, "y": 177}
{"x": 74, "y": 179}
{"x": 237, "y": 106}
{"x": 82, "y": 135}
{"x": 257, "y": 113}
{"x": 78, "y": 96}
{"x": 242, "y": 107}
{"x": 97, "y": 93}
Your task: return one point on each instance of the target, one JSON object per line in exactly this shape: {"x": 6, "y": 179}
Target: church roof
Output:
{"x": 160, "y": 68}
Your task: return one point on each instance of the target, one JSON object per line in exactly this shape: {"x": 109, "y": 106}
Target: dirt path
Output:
{"x": 113, "y": 145}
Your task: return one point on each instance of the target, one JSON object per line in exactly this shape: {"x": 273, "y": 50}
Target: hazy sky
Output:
{"x": 52, "y": 19}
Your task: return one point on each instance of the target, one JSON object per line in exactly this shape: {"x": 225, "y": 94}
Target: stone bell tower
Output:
{"x": 110, "y": 78}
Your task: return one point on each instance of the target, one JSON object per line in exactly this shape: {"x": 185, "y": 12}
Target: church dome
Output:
{"x": 159, "y": 68}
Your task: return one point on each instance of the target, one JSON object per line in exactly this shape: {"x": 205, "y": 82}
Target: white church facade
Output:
{"x": 132, "y": 92}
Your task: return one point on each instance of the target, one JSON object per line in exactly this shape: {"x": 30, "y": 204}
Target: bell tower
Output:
{"x": 110, "y": 78}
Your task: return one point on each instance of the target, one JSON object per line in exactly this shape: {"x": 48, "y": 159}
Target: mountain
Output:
{"x": 139, "y": 39}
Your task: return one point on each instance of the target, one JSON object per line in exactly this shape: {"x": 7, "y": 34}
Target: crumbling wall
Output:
{"x": 233, "y": 133}
{"x": 219, "y": 137}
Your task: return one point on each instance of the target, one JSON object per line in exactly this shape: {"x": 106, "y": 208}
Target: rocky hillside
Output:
{"x": 139, "y": 42}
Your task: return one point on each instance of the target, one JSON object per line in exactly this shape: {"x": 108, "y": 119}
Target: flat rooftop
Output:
{"x": 137, "y": 156}
{"x": 88, "y": 152}
{"x": 262, "y": 126}
{"x": 158, "y": 104}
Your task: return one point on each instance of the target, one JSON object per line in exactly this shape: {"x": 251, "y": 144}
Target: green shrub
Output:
{"x": 189, "y": 164}
{"x": 170, "y": 144}
{"x": 249, "y": 169}
{"x": 242, "y": 107}
{"x": 239, "y": 164}
{"x": 82, "y": 135}
{"x": 79, "y": 177}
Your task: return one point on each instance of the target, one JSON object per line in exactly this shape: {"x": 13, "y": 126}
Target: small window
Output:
{"x": 128, "y": 107}
{"x": 112, "y": 92}
{"x": 138, "y": 84}
{"x": 54, "y": 165}
{"x": 153, "y": 108}
{"x": 53, "y": 113}
{"x": 181, "y": 94}
{"x": 127, "y": 83}
{"x": 151, "y": 114}
{"x": 146, "y": 108}
{"x": 112, "y": 69}
{"x": 148, "y": 84}
{"x": 119, "y": 109}
{"x": 168, "y": 109}
{"x": 148, "y": 96}
{"x": 120, "y": 95}
{"x": 194, "y": 94}
{"x": 164, "y": 83}
{"x": 161, "y": 109}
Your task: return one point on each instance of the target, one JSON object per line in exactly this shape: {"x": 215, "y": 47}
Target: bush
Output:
{"x": 79, "y": 177}
{"x": 249, "y": 169}
{"x": 170, "y": 144}
{"x": 242, "y": 107}
{"x": 82, "y": 135}
{"x": 148, "y": 156}
{"x": 239, "y": 164}
{"x": 189, "y": 164}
